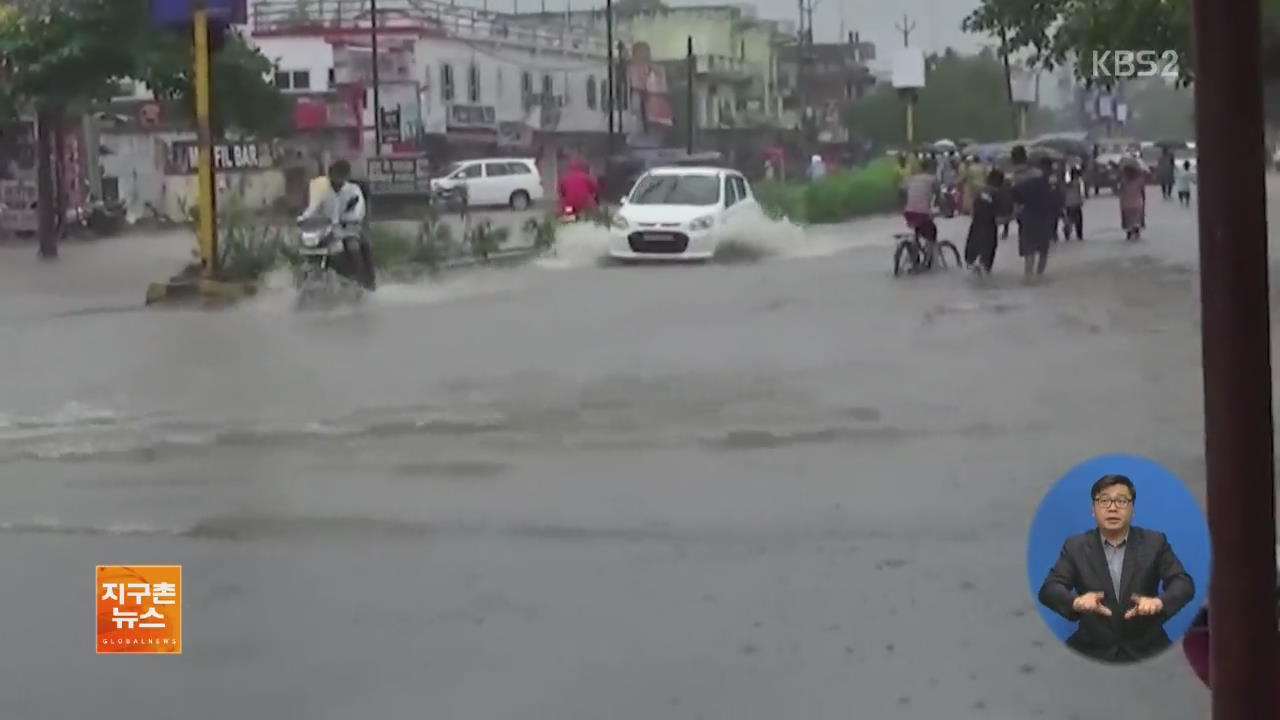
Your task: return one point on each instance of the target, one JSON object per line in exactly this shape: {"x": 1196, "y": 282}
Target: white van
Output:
{"x": 514, "y": 182}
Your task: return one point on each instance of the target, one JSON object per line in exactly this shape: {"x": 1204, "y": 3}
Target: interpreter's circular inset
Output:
{"x": 1118, "y": 559}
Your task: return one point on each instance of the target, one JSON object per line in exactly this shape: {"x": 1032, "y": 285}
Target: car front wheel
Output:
{"x": 519, "y": 200}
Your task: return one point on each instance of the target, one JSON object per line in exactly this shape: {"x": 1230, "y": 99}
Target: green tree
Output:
{"x": 243, "y": 100}
{"x": 60, "y": 57}
{"x": 1062, "y": 32}
{"x": 964, "y": 97}
{"x": 1160, "y": 110}
{"x": 54, "y": 56}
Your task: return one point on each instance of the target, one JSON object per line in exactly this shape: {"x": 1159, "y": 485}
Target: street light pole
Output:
{"x": 377, "y": 92}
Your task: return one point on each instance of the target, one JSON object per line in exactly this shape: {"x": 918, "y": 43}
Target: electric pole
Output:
{"x": 906, "y": 27}
{"x": 804, "y": 54}
{"x": 377, "y": 91}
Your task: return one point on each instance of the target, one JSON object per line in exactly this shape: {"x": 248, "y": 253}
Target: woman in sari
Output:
{"x": 1133, "y": 201}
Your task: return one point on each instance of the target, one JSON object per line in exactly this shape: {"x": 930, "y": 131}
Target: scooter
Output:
{"x": 328, "y": 275}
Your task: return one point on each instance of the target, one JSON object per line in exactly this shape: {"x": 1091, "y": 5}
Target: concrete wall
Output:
{"x": 136, "y": 161}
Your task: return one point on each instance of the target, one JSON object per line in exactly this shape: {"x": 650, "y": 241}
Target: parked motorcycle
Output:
{"x": 453, "y": 199}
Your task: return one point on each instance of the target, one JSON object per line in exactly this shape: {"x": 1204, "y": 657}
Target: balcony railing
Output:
{"x": 723, "y": 65}
{"x": 283, "y": 17}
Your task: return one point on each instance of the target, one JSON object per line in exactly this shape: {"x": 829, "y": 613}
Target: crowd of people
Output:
{"x": 1045, "y": 198}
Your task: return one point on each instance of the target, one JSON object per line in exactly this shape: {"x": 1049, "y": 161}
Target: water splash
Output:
{"x": 579, "y": 245}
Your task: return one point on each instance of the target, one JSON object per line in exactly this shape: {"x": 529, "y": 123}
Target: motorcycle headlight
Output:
{"x": 703, "y": 223}
{"x": 619, "y": 222}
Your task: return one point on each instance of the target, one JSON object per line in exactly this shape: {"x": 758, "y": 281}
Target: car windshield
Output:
{"x": 677, "y": 190}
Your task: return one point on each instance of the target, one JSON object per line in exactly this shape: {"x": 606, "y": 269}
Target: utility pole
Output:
{"x": 690, "y": 65}
{"x": 906, "y": 27}
{"x": 377, "y": 91}
{"x": 609, "y": 79}
{"x": 1008, "y": 78}
{"x": 804, "y": 48}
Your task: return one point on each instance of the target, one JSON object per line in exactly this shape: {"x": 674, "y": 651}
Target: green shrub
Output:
{"x": 837, "y": 197}
{"x": 485, "y": 239}
{"x": 781, "y": 200}
{"x": 542, "y": 231}
{"x": 390, "y": 246}
{"x": 834, "y": 198}
{"x": 246, "y": 251}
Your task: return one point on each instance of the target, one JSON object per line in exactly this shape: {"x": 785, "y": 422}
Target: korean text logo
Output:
{"x": 1135, "y": 64}
{"x": 139, "y": 609}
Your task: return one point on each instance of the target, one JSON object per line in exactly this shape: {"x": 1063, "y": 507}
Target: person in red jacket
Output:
{"x": 578, "y": 188}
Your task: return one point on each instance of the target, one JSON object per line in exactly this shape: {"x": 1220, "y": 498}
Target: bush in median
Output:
{"x": 873, "y": 189}
{"x": 836, "y": 197}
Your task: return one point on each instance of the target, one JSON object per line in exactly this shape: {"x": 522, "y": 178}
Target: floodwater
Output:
{"x": 793, "y": 487}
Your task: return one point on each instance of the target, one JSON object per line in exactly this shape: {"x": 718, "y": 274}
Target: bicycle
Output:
{"x": 913, "y": 256}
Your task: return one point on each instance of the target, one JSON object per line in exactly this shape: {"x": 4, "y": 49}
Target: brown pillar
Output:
{"x": 1237, "y": 358}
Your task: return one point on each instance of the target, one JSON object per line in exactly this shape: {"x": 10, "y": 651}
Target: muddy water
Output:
{"x": 793, "y": 487}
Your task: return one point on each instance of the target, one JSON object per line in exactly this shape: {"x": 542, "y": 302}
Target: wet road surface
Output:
{"x": 793, "y": 488}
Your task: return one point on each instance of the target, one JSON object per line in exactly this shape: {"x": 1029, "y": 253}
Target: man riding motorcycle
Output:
{"x": 342, "y": 203}
{"x": 579, "y": 191}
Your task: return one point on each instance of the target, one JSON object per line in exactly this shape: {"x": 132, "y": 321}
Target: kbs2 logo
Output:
{"x": 1135, "y": 64}
{"x": 139, "y": 609}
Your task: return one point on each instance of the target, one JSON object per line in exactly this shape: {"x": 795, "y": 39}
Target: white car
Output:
{"x": 513, "y": 182}
{"x": 680, "y": 213}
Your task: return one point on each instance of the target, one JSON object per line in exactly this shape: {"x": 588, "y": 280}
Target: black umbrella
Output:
{"x": 1066, "y": 146}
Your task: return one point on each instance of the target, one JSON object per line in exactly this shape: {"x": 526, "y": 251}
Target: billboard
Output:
{"x": 168, "y": 13}
{"x": 908, "y": 69}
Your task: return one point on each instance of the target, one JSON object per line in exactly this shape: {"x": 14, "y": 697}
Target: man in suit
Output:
{"x": 1109, "y": 580}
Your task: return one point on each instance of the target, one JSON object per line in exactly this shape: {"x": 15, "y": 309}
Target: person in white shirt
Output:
{"x": 342, "y": 202}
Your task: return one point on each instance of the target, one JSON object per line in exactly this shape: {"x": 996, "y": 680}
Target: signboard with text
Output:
{"x": 169, "y": 13}
{"x": 399, "y": 175}
{"x": 17, "y": 205}
{"x": 245, "y": 156}
{"x": 391, "y": 125}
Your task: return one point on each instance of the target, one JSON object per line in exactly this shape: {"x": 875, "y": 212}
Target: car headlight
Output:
{"x": 703, "y": 223}
{"x": 619, "y": 222}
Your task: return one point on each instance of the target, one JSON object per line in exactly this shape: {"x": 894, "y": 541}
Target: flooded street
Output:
{"x": 788, "y": 488}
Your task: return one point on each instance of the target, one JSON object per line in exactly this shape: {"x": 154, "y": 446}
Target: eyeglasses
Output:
{"x": 1121, "y": 502}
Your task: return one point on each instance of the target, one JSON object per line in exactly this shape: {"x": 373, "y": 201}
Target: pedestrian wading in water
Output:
{"x": 1036, "y": 209}
{"x": 1073, "y": 204}
{"x": 1185, "y": 178}
{"x": 980, "y": 248}
{"x": 1133, "y": 202}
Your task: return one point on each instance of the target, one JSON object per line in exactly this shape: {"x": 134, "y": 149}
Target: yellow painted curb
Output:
{"x": 190, "y": 289}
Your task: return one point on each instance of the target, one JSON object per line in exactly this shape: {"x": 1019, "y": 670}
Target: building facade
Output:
{"x": 736, "y": 58}
{"x": 819, "y": 80}
{"x": 453, "y": 81}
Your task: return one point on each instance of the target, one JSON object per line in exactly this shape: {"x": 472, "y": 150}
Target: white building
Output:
{"x": 450, "y": 72}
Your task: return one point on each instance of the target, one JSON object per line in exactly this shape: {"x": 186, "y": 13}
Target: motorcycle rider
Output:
{"x": 579, "y": 189}
{"x": 343, "y": 202}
